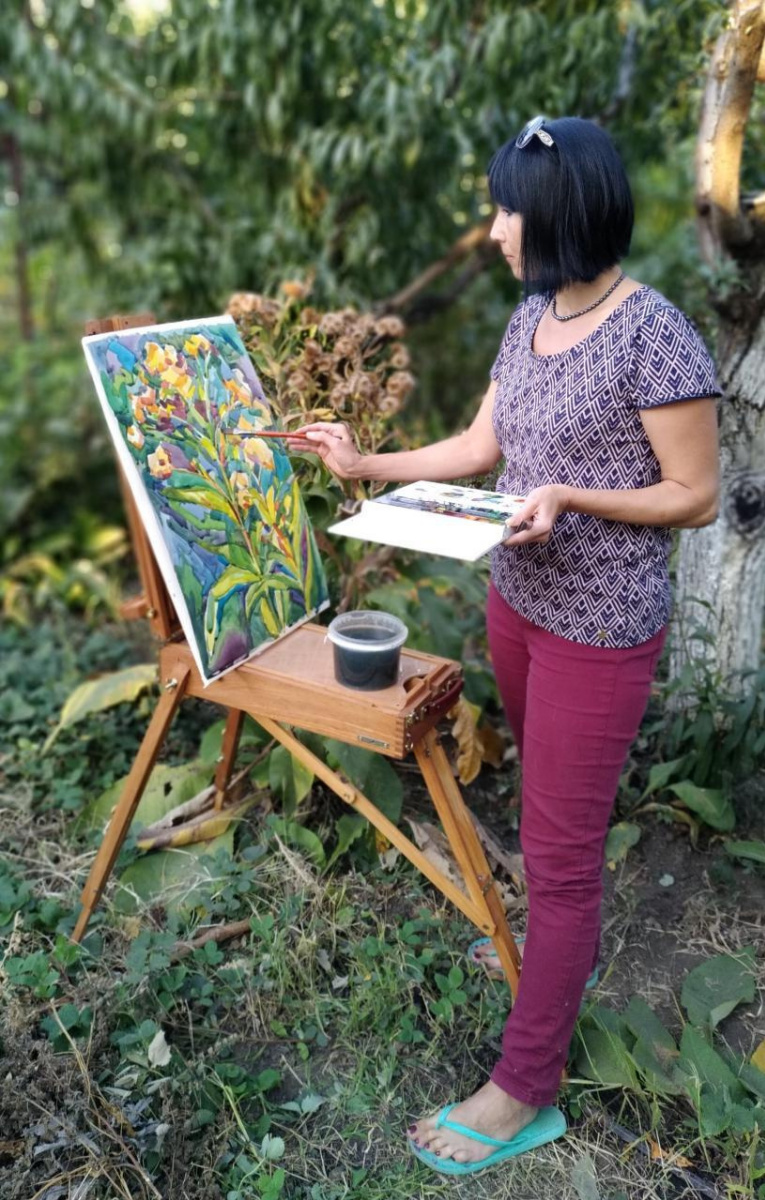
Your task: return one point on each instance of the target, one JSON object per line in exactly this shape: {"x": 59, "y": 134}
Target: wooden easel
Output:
{"x": 292, "y": 684}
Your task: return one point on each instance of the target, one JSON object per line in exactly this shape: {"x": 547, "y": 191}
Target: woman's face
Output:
{"x": 506, "y": 232}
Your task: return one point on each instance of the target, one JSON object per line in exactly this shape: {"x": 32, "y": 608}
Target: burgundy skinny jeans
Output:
{"x": 574, "y": 711}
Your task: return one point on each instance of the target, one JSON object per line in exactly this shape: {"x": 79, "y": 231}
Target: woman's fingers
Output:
{"x": 336, "y": 429}
{"x": 535, "y": 529}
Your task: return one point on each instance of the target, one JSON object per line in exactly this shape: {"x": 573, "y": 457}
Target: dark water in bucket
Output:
{"x": 366, "y": 668}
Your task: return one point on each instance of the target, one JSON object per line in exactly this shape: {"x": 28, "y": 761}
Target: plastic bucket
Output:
{"x": 367, "y": 649}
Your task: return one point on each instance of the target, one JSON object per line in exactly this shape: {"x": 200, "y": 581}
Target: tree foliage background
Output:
{"x": 158, "y": 154}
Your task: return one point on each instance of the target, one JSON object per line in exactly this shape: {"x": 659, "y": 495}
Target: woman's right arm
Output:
{"x": 472, "y": 452}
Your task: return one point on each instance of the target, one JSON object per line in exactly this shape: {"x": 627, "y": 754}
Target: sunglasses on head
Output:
{"x": 534, "y": 129}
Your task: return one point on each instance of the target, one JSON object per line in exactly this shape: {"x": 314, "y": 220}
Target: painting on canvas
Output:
{"x": 220, "y": 505}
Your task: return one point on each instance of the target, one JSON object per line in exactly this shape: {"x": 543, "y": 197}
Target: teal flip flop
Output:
{"x": 548, "y": 1124}
{"x": 484, "y": 941}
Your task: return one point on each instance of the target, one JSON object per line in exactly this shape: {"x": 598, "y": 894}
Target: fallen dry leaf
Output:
{"x": 159, "y": 1051}
{"x": 758, "y": 1057}
{"x": 659, "y": 1155}
{"x": 469, "y": 757}
{"x": 513, "y": 863}
{"x": 435, "y": 847}
{"x": 492, "y": 746}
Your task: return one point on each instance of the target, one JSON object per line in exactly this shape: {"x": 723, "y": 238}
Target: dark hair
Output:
{"x": 575, "y": 201}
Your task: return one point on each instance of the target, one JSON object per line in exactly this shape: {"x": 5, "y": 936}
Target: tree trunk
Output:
{"x": 723, "y": 565}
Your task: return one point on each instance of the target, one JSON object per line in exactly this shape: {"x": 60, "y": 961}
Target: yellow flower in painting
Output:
{"x": 196, "y": 344}
{"x": 135, "y": 436}
{"x": 240, "y": 482}
{"x": 256, "y": 450}
{"x": 159, "y": 463}
{"x": 144, "y": 404}
{"x": 178, "y": 381}
{"x": 239, "y": 388}
{"x": 158, "y": 358}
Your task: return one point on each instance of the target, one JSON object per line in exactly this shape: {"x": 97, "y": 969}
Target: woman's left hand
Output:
{"x": 540, "y": 511}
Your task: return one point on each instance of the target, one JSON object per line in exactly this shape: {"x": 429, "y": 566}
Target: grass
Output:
{"x": 300, "y": 1052}
{"x": 317, "y": 1029}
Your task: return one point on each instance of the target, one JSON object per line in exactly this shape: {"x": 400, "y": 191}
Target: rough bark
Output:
{"x": 723, "y": 565}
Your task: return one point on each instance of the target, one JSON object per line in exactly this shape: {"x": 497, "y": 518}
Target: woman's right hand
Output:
{"x": 333, "y": 442}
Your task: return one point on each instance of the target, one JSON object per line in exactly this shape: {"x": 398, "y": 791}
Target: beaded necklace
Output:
{"x": 589, "y": 308}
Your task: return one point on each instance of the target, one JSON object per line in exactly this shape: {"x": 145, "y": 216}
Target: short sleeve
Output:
{"x": 669, "y": 360}
{"x": 508, "y": 344}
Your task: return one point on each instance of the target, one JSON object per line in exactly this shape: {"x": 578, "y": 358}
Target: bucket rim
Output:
{"x": 398, "y": 634}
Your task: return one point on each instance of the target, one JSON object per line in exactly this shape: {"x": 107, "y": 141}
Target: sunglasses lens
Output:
{"x": 534, "y": 127}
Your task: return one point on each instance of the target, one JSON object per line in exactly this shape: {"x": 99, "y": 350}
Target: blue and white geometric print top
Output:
{"x": 574, "y": 418}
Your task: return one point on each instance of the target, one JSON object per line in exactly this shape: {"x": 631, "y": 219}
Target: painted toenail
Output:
{"x": 437, "y": 1153}
{"x": 412, "y": 1129}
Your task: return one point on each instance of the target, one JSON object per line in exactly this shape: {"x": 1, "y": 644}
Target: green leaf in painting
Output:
{"x": 711, "y": 804}
{"x": 227, "y": 582}
{"x": 713, "y": 989}
{"x": 231, "y": 579}
{"x": 205, "y": 497}
{"x": 266, "y": 585}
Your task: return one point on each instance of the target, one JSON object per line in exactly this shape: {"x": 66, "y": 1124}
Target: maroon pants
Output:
{"x": 574, "y": 711}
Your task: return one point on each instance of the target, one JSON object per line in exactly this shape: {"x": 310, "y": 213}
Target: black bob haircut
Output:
{"x": 575, "y": 201}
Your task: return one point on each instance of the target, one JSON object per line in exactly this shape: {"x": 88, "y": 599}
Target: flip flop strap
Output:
{"x": 442, "y": 1123}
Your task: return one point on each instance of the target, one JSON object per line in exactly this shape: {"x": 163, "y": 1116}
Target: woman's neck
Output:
{"x": 577, "y": 296}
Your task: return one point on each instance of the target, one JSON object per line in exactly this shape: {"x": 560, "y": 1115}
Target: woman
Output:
{"x": 601, "y": 403}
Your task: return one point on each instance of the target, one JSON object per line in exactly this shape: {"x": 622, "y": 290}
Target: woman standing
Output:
{"x": 601, "y": 404}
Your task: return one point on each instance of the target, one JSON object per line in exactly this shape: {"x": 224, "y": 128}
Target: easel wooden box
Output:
{"x": 292, "y": 684}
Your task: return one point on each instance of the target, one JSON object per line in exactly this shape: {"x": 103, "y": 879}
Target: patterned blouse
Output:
{"x": 574, "y": 418}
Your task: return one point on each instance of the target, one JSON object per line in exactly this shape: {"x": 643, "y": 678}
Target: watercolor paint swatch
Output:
{"x": 435, "y": 518}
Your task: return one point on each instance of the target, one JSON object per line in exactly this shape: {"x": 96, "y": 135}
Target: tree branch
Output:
{"x": 724, "y": 115}
{"x": 464, "y": 246}
{"x": 428, "y": 304}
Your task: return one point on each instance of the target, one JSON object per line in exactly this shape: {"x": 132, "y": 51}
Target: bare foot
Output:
{"x": 486, "y": 957}
{"x": 490, "y": 1111}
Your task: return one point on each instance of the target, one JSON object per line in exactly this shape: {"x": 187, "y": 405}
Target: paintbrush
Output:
{"x": 265, "y": 433}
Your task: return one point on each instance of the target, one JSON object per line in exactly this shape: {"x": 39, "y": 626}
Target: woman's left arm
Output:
{"x": 684, "y": 439}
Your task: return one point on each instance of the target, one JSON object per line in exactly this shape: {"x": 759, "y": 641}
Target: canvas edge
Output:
{"x": 166, "y": 326}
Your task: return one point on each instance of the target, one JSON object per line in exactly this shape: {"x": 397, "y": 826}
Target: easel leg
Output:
{"x": 229, "y": 747}
{"x": 467, "y": 848}
{"x": 128, "y": 803}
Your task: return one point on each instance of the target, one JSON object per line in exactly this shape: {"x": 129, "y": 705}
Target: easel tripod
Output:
{"x": 291, "y": 684}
